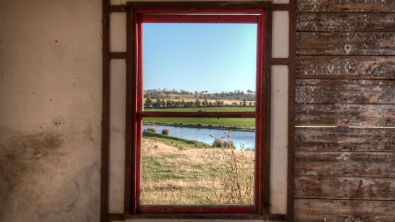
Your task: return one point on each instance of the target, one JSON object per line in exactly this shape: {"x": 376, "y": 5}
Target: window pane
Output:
{"x": 199, "y": 66}
{"x": 197, "y": 164}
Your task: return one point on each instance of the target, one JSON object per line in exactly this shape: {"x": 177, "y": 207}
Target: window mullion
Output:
{"x": 199, "y": 114}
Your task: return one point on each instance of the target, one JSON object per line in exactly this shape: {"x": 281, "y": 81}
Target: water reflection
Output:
{"x": 240, "y": 139}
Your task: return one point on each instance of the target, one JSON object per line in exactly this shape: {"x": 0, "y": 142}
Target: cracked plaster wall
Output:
{"x": 50, "y": 110}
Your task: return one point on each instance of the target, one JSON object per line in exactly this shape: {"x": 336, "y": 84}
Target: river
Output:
{"x": 203, "y": 134}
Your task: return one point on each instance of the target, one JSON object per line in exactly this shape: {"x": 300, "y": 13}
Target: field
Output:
{"x": 178, "y": 171}
{"x": 174, "y": 172}
{"x": 235, "y": 97}
{"x": 233, "y": 123}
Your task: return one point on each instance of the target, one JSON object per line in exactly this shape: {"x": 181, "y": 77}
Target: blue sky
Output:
{"x": 198, "y": 57}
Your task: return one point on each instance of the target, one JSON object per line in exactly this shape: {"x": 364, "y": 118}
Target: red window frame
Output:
{"x": 135, "y": 113}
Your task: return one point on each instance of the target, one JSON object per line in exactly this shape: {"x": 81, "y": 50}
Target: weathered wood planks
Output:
{"x": 310, "y": 210}
{"x": 345, "y": 91}
{"x": 344, "y": 139}
{"x": 345, "y": 43}
{"x": 346, "y": 6}
{"x": 345, "y": 115}
{"x": 345, "y": 188}
{"x": 356, "y": 164}
{"x": 374, "y": 67}
{"x": 345, "y": 71}
{"x": 346, "y": 22}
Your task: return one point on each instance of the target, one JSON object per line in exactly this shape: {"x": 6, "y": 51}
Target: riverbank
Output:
{"x": 174, "y": 141}
{"x": 200, "y": 125}
{"x": 240, "y": 139}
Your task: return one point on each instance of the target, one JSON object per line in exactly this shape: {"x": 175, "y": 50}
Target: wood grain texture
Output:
{"x": 291, "y": 113}
{"x": 345, "y": 43}
{"x": 345, "y": 115}
{"x": 313, "y": 210}
{"x": 346, "y": 22}
{"x": 346, "y": 6}
{"x": 345, "y": 91}
{"x": 345, "y": 71}
{"x": 344, "y": 139}
{"x": 345, "y": 188}
{"x": 356, "y": 164}
{"x": 105, "y": 124}
{"x": 374, "y": 67}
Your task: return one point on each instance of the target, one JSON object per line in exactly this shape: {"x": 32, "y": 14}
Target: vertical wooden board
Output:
{"x": 346, "y": 22}
{"x": 313, "y": 210}
{"x": 364, "y": 164}
{"x": 375, "y": 67}
{"x": 345, "y": 188}
{"x": 345, "y": 115}
{"x": 345, "y": 43}
{"x": 105, "y": 127}
{"x": 344, "y": 139}
{"x": 291, "y": 112}
{"x": 345, "y": 91}
{"x": 345, "y": 6}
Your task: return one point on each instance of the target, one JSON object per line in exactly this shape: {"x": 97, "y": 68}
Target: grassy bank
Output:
{"x": 230, "y": 123}
{"x": 175, "y": 141}
{"x": 193, "y": 175}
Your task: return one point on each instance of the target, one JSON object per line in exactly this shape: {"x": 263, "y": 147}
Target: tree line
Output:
{"x": 232, "y": 95}
{"x": 198, "y": 103}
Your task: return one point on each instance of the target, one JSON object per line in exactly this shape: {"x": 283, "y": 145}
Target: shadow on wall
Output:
{"x": 22, "y": 160}
{"x": 36, "y": 182}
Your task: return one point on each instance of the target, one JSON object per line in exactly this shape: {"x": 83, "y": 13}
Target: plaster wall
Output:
{"x": 50, "y": 110}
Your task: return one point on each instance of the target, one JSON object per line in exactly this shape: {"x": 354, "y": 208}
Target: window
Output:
{"x": 195, "y": 112}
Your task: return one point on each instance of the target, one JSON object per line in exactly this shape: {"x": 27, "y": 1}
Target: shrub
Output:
{"x": 151, "y": 130}
{"x": 225, "y": 144}
{"x": 217, "y": 142}
{"x": 235, "y": 172}
{"x": 228, "y": 144}
{"x": 165, "y": 132}
{"x": 236, "y": 175}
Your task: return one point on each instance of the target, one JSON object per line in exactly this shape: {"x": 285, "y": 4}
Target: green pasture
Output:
{"x": 207, "y": 109}
{"x": 232, "y": 123}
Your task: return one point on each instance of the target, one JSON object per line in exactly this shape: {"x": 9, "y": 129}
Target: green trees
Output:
{"x": 198, "y": 103}
{"x": 148, "y": 102}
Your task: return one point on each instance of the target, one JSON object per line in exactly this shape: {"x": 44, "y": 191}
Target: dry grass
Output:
{"x": 171, "y": 175}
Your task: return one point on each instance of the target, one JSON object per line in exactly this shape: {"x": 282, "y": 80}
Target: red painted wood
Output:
{"x": 139, "y": 92}
{"x": 196, "y": 11}
{"x": 211, "y": 16}
{"x": 200, "y": 114}
{"x": 259, "y": 120}
{"x": 244, "y": 19}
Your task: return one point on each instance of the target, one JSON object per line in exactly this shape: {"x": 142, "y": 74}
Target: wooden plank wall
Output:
{"x": 345, "y": 92}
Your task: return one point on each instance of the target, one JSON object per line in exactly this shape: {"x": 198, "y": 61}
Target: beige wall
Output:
{"x": 50, "y": 111}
